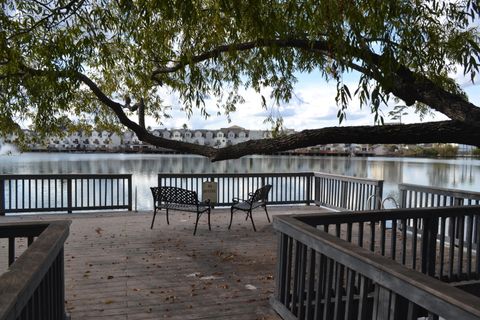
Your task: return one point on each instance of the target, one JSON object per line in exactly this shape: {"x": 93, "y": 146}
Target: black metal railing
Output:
{"x": 352, "y": 266}
{"x": 288, "y": 188}
{"x": 32, "y": 287}
{"x": 347, "y": 193}
{"x": 333, "y": 191}
{"x": 65, "y": 192}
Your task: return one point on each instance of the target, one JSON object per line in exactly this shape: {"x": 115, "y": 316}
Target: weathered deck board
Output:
{"x": 117, "y": 268}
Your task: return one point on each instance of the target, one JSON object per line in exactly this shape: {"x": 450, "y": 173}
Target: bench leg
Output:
{"x": 168, "y": 222}
{"x": 154, "y": 214}
{"x": 265, "y": 207}
{"x": 253, "y": 224}
{"x": 196, "y": 224}
{"x": 231, "y": 218}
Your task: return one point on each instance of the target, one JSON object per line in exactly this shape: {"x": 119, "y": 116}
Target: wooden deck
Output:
{"x": 117, "y": 268}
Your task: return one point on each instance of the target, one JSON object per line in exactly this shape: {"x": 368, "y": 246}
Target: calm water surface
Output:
{"x": 461, "y": 173}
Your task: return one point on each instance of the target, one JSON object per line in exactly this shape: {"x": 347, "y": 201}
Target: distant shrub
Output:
{"x": 446, "y": 150}
{"x": 476, "y": 152}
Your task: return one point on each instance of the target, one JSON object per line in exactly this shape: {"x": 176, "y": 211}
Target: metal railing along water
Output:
{"x": 288, "y": 188}
{"x": 333, "y": 191}
{"x": 32, "y": 287}
{"x": 65, "y": 192}
{"x": 350, "y": 266}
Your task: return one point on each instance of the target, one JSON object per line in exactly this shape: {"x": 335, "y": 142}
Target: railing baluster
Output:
{"x": 442, "y": 246}
{"x": 329, "y": 275}
{"x": 309, "y": 313}
{"x": 414, "y": 243}
{"x": 461, "y": 242}
{"x": 393, "y": 238}
{"x": 451, "y": 248}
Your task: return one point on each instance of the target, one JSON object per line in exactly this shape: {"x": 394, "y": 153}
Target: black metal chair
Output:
{"x": 255, "y": 200}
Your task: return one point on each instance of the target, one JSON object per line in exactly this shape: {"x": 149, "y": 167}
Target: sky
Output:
{"x": 313, "y": 106}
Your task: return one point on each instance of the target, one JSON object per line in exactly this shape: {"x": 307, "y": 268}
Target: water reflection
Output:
{"x": 451, "y": 173}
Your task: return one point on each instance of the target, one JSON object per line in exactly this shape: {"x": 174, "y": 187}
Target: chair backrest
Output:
{"x": 174, "y": 195}
{"x": 261, "y": 194}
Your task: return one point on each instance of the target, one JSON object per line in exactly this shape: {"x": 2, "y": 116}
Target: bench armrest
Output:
{"x": 237, "y": 200}
{"x": 206, "y": 202}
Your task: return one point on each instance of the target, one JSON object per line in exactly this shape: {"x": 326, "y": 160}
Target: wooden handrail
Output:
{"x": 427, "y": 292}
{"x": 19, "y": 284}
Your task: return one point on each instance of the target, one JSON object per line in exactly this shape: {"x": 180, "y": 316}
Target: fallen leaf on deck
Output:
{"x": 250, "y": 287}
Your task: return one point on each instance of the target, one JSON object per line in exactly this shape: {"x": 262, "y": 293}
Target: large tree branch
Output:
{"x": 443, "y": 132}
{"x": 432, "y": 132}
{"x": 140, "y": 131}
{"x": 245, "y": 46}
{"x": 142, "y": 134}
{"x": 403, "y": 83}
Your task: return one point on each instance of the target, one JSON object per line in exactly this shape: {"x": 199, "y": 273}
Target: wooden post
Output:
{"x": 309, "y": 190}
{"x": 130, "y": 193}
{"x": 379, "y": 195}
{"x": 403, "y": 197}
{"x": 69, "y": 195}
{"x": 429, "y": 241}
{"x": 344, "y": 195}
{"x": 280, "y": 273}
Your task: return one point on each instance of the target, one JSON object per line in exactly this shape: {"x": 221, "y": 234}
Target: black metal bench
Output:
{"x": 173, "y": 198}
{"x": 255, "y": 200}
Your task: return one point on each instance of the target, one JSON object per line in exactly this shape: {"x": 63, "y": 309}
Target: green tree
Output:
{"x": 99, "y": 62}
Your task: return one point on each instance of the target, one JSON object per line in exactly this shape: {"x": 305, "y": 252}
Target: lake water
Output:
{"x": 461, "y": 173}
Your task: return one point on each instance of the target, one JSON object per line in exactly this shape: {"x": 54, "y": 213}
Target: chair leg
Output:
{"x": 196, "y": 223}
{"x": 253, "y": 224}
{"x": 231, "y": 218}
{"x": 209, "y": 227}
{"x": 168, "y": 222}
{"x": 154, "y": 214}
{"x": 265, "y": 207}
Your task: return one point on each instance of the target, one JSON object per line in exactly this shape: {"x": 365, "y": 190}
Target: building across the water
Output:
{"x": 105, "y": 141}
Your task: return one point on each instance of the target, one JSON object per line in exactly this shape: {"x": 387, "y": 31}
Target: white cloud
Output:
{"x": 313, "y": 106}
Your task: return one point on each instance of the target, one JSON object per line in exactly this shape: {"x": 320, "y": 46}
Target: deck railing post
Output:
{"x": 280, "y": 271}
{"x": 379, "y": 195}
{"x": 458, "y": 201}
{"x": 403, "y": 197}
{"x": 429, "y": 241}
{"x": 2, "y": 196}
{"x": 344, "y": 194}
{"x": 309, "y": 190}
{"x": 130, "y": 198}
{"x": 69, "y": 195}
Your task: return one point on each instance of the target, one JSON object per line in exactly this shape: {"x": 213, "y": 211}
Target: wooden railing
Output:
{"x": 417, "y": 196}
{"x": 65, "y": 192}
{"x": 351, "y": 266}
{"x": 33, "y": 285}
{"x": 347, "y": 193}
{"x": 288, "y": 188}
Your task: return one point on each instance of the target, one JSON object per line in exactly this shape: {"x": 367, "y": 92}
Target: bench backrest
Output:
{"x": 174, "y": 195}
{"x": 261, "y": 194}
